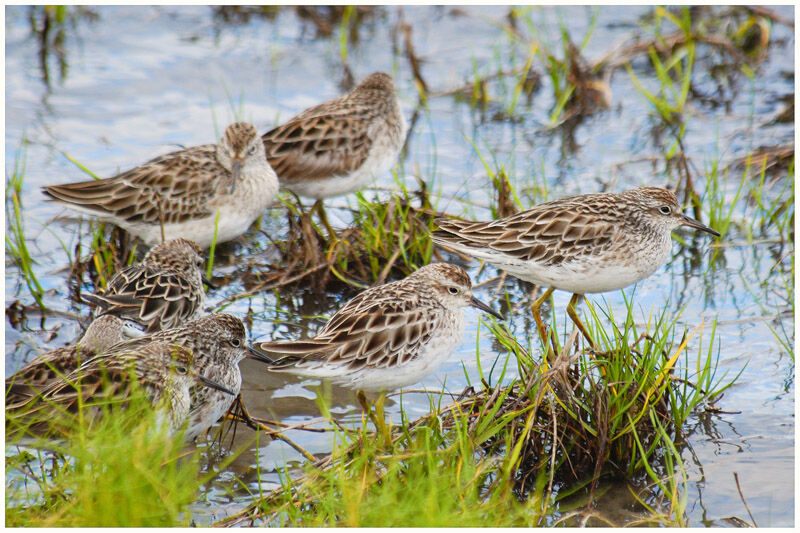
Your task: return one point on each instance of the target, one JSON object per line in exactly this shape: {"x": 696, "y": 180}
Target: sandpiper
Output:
{"x": 583, "y": 244}
{"x": 387, "y": 337}
{"x": 340, "y": 145}
{"x": 183, "y": 193}
{"x": 163, "y": 291}
{"x": 52, "y": 366}
{"x": 166, "y": 373}
{"x": 219, "y": 342}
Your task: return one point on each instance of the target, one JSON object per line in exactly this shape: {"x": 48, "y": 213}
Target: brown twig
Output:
{"x": 741, "y": 495}
{"x": 762, "y": 11}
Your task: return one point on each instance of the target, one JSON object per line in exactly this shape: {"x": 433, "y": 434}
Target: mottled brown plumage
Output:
{"x": 52, "y": 366}
{"x": 219, "y": 342}
{"x": 163, "y": 291}
{"x": 165, "y": 373}
{"x": 337, "y": 146}
{"x": 182, "y": 191}
{"x": 388, "y": 336}
{"x": 583, "y": 244}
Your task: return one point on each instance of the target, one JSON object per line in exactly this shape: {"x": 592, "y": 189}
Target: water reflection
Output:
{"x": 142, "y": 82}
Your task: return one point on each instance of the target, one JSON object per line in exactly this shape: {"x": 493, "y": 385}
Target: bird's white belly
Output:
{"x": 232, "y": 223}
{"x": 385, "y": 379}
{"x": 331, "y": 186}
{"x": 236, "y": 214}
{"x": 380, "y": 159}
{"x": 436, "y": 351}
{"x": 586, "y": 276}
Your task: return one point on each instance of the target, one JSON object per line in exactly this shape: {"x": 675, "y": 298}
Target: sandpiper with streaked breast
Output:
{"x": 583, "y": 244}
{"x": 192, "y": 193}
{"x": 387, "y": 337}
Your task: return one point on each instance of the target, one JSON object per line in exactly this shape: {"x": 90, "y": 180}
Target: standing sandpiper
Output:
{"x": 340, "y": 145}
{"x": 583, "y": 244}
{"x": 387, "y": 337}
{"x": 166, "y": 373}
{"x": 183, "y": 193}
{"x": 163, "y": 291}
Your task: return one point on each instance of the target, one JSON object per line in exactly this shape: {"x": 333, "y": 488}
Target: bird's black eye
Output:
{"x": 236, "y": 343}
{"x": 252, "y": 150}
{"x": 452, "y": 290}
{"x": 665, "y": 210}
{"x": 181, "y": 369}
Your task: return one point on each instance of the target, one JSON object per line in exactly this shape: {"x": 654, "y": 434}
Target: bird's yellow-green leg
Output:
{"x": 377, "y": 417}
{"x": 238, "y": 412}
{"x": 537, "y": 317}
{"x": 323, "y": 217}
{"x": 362, "y": 399}
{"x": 384, "y": 430}
{"x": 573, "y": 314}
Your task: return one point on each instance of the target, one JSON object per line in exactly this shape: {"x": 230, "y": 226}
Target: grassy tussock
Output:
{"x": 121, "y": 470}
{"x": 386, "y": 240}
{"x": 509, "y": 454}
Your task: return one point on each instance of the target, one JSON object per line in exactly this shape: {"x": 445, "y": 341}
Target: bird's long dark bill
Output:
{"x": 214, "y": 385}
{"x": 208, "y": 282}
{"x": 692, "y": 223}
{"x": 257, "y": 354}
{"x": 236, "y": 168}
{"x": 474, "y": 302}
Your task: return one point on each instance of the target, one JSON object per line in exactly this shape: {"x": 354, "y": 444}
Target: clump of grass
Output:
{"x": 578, "y": 88}
{"x": 674, "y": 75}
{"x": 426, "y": 481}
{"x": 16, "y": 245}
{"x": 110, "y": 251}
{"x": 505, "y": 201}
{"x": 386, "y": 239}
{"x": 513, "y": 453}
{"x": 393, "y": 237}
{"x": 758, "y": 208}
{"x": 124, "y": 469}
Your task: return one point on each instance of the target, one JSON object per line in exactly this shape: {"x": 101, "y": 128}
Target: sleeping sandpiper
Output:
{"x": 161, "y": 292}
{"x": 52, "y": 366}
{"x": 165, "y": 373}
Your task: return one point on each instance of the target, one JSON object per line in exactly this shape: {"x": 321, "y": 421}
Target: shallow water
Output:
{"x": 139, "y": 81}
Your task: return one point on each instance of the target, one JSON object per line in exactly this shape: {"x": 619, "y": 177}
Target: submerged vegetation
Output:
{"x": 534, "y": 440}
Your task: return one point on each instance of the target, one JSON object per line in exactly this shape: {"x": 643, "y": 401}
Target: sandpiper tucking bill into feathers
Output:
{"x": 583, "y": 244}
{"x": 183, "y": 193}
{"x": 163, "y": 291}
{"x": 342, "y": 144}
{"x": 52, "y": 366}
